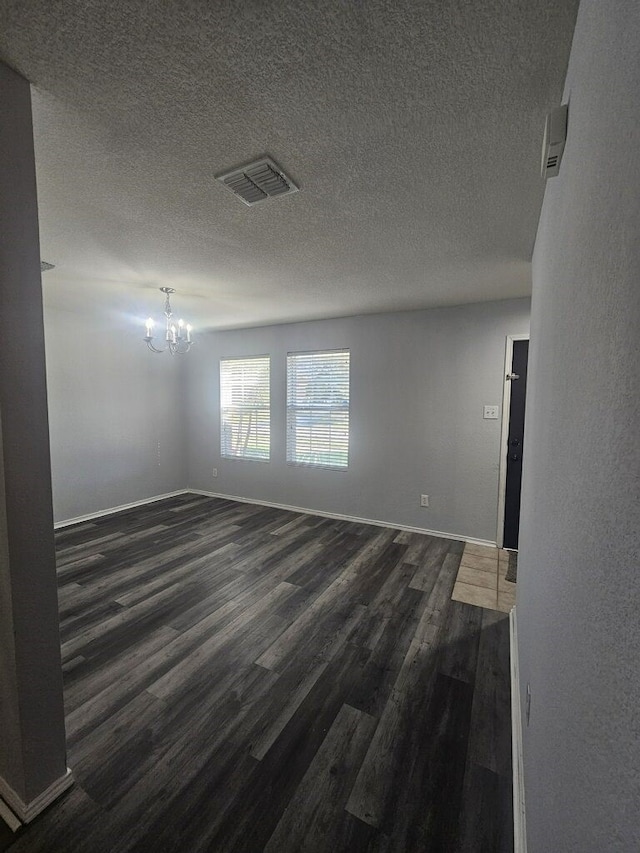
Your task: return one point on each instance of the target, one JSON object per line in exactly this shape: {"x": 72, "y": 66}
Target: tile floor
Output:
{"x": 481, "y": 579}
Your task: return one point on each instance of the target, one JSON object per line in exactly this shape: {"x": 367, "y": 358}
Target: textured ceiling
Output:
{"x": 413, "y": 128}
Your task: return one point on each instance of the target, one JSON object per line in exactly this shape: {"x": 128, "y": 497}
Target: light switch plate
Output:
{"x": 491, "y": 413}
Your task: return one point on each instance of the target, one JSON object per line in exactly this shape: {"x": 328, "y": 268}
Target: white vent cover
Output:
{"x": 258, "y": 181}
{"x": 555, "y": 135}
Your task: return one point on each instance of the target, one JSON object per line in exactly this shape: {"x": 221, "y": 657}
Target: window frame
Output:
{"x": 288, "y": 408}
{"x": 221, "y": 410}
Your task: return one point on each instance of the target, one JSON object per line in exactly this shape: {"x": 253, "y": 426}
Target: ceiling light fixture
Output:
{"x": 177, "y": 337}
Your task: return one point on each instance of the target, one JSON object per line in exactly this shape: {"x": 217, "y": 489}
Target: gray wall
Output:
{"x": 418, "y": 384}
{"x": 116, "y": 411}
{"x": 579, "y": 573}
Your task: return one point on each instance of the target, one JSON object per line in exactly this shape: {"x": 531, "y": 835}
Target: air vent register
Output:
{"x": 257, "y": 182}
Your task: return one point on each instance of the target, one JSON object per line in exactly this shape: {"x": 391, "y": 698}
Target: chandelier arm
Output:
{"x": 154, "y": 349}
{"x": 181, "y": 348}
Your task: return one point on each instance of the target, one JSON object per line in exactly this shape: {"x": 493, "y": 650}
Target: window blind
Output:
{"x": 318, "y": 408}
{"x": 245, "y": 408}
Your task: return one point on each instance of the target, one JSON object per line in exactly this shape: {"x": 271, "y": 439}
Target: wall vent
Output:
{"x": 44, "y": 266}
{"x": 258, "y": 181}
{"x": 555, "y": 136}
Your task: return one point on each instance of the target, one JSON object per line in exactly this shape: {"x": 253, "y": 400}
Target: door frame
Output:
{"x": 504, "y": 436}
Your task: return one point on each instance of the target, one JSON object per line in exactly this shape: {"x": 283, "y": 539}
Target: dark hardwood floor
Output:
{"x": 240, "y": 678}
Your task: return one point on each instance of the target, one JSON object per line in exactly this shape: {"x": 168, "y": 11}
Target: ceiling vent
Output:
{"x": 258, "y": 182}
{"x": 44, "y": 266}
{"x": 555, "y": 136}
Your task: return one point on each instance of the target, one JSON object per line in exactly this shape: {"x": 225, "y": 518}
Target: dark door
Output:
{"x": 515, "y": 442}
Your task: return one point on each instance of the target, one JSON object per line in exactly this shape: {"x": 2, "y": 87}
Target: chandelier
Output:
{"x": 177, "y": 338}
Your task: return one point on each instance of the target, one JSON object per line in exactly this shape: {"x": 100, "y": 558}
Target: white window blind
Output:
{"x": 318, "y": 408}
{"x": 245, "y": 408}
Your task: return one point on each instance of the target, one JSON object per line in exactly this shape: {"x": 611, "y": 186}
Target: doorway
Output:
{"x": 513, "y": 417}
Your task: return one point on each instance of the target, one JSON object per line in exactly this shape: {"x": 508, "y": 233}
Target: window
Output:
{"x": 318, "y": 408}
{"x": 245, "y": 408}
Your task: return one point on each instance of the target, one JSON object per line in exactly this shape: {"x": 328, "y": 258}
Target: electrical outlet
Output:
{"x": 215, "y": 472}
{"x": 424, "y": 500}
{"x": 491, "y": 413}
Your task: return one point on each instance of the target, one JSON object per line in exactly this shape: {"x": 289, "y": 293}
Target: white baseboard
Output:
{"x": 341, "y": 517}
{"x": 110, "y": 510}
{"x": 307, "y": 510}
{"x": 8, "y": 817}
{"x": 519, "y": 814}
{"x": 26, "y": 812}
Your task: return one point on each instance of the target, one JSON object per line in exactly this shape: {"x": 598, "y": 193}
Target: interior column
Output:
{"x": 32, "y": 737}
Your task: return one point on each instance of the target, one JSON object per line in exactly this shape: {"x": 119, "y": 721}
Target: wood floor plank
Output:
{"x": 424, "y": 811}
{"x": 342, "y": 593}
{"x": 117, "y": 576}
{"x": 133, "y": 680}
{"x": 486, "y": 820}
{"x": 297, "y": 680}
{"x": 290, "y": 525}
{"x": 173, "y": 681}
{"x": 440, "y": 594}
{"x": 209, "y": 568}
{"x": 242, "y": 678}
{"x": 123, "y": 741}
{"x": 372, "y": 691}
{"x": 383, "y": 608}
{"x": 66, "y": 827}
{"x": 490, "y": 742}
{"x": 429, "y": 565}
{"x": 419, "y": 546}
{"x": 175, "y": 766}
{"x": 275, "y": 778}
{"x": 125, "y": 615}
{"x": 375, "y": 783}
{"x": 376, "y": 779}
{"x": 459, "y": 655}
{"x": 311, "y": 821}
{"x": 94, "y": 679}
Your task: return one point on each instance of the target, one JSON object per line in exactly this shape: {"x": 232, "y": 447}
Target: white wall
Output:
{"x": 579, "y": 566}
{"x": 419, "y": 381}
{"x": 116, "y": 412}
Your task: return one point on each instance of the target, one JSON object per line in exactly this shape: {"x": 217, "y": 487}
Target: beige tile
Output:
{"x": 508, "y": 589}
{"x": 506, "y": 600}
{"x": 470, "y": 594}
{"x": 477, "y": 577}
{"x": 503, "y": 557}
{"x": 480, "y": 550}
{"x": 503, "y": 568}
{"x": 474, "y": 562}
{"x": 504, "y": 607}
{"x": 505, "y": 586}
